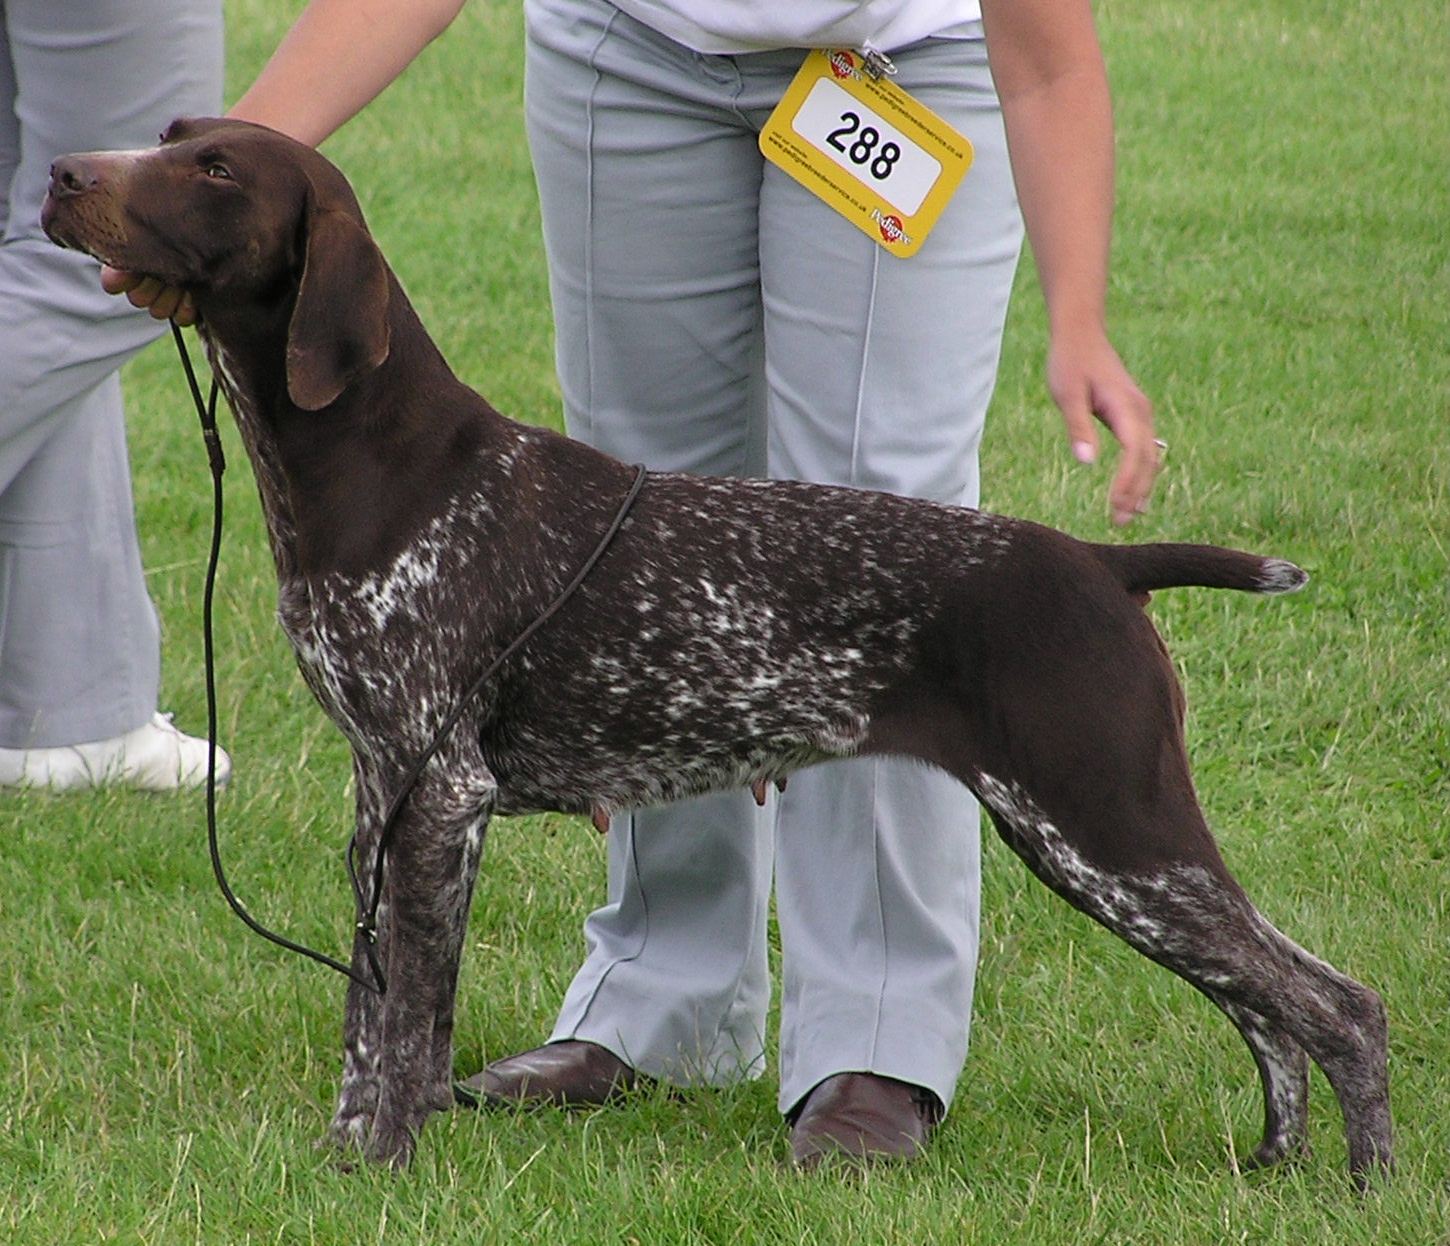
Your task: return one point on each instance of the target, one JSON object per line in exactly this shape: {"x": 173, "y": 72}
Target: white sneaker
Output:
{"x": 155, "y": 757}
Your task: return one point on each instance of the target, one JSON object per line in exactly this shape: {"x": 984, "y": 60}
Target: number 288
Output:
{"x": 862, "y": 149}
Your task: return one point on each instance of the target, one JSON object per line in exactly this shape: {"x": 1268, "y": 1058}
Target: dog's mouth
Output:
{"x": 68, "y": 225}
{"x": 83, "y": 213}
{"x": 97, "y": 224}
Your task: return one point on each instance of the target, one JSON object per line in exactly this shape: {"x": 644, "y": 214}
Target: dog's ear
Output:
{"x": 339, "y": 330}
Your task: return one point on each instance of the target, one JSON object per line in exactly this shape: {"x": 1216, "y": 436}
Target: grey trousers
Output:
{"x": 79, "y": 643}
{"x": 713, "y": 316}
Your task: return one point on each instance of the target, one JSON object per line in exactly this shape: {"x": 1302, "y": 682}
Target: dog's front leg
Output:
{"x": 357, "y": 1103}
{"x": 428, "y": 883}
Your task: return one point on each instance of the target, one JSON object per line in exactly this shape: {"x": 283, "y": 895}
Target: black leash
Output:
{"x": 206, "y": 412}
{"x": 367, "y": 924}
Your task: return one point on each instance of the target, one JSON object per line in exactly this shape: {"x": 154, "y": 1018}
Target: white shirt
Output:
{"x": 727, "y": 26}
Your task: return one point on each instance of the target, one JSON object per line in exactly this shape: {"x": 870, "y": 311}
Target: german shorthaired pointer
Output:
{"x": 733, "y": 631}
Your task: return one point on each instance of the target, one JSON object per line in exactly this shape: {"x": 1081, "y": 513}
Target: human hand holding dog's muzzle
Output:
{"x": 164, "y": 302}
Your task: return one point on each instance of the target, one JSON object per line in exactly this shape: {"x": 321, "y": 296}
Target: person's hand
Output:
{"x": 164, "y": 302}
{"x": 1089, "y": 382}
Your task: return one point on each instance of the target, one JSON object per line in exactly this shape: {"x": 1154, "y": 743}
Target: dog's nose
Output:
{"x": 71, "y": 175}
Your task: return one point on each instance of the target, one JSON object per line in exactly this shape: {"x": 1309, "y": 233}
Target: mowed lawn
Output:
{"x": 1280, "y": 289}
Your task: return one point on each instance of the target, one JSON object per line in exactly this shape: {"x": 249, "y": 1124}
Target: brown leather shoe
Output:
{"x": 571, "y": 1073}
{"x": 861, "y": 1118}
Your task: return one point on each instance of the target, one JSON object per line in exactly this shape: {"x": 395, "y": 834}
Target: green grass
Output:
{"x": 1280, "y": 289}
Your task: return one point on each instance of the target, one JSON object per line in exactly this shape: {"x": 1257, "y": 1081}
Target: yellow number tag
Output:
{"x": 883, "y": 160}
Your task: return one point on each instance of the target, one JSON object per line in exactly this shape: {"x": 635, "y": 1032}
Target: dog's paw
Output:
{"x": 1271, "y": 1153}
{"x": 392, "y": 1147}
{"x": 348, "y": 1131}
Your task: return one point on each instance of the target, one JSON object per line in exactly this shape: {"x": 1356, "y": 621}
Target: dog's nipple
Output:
{"x": 599, "y": 815}
{"x": 758, "y": 788}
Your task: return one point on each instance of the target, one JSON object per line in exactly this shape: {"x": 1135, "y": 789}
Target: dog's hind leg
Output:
{"x": 1284, "y": 1002}
{"x": 1187, "y": 913}
{"x": 1284, "y": 1072}
{"x": 1283, "y": 999}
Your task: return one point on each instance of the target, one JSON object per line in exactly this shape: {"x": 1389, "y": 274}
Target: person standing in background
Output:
{"x": 80, "y": 646}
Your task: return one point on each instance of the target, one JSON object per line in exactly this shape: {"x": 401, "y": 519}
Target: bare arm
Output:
{"x": 1050, "y": 75}
{"x": 336, "y": 59}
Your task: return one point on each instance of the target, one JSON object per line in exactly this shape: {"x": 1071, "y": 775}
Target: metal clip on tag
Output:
{"x": 877, "y": 64}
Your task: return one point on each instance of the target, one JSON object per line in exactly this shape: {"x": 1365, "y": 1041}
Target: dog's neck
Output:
{"x": 235, "y": 356}
{"x": 341, "y": 474}
{"x": 350, "y": 489}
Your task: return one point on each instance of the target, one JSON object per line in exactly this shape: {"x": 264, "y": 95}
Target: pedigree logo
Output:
{"x": 843, "y": 64}
{"x": 892, "y": 230}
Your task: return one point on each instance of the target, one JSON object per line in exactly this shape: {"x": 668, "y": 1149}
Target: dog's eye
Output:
{"x": 218, "y": 171}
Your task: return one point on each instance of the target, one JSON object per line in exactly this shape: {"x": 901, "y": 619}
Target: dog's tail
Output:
{"x": 1143, "y": 569}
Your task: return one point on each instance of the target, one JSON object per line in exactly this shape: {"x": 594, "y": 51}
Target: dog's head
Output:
{"x": 244, "y": 218}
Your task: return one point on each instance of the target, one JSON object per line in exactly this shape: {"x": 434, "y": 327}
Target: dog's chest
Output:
{"x": 381, "y": 649}
{"x": 385, "y": 652}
